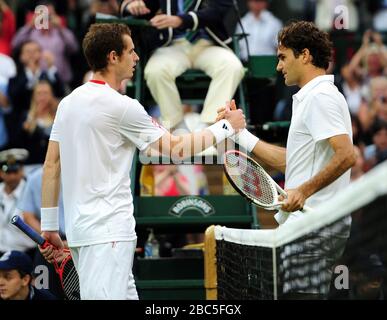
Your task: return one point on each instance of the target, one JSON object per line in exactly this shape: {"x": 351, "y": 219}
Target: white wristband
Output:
{"x": 245, "y": 139}
{"x": 221, "y": 130}
{"x": 49, "y": 219}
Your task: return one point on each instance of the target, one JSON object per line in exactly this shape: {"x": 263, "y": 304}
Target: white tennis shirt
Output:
{"x": 98, "y": 131}
{"x": 320, "y": 112}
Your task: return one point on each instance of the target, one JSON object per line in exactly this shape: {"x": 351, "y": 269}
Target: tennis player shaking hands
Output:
{"x": 319, "y": 151}
{"x": 92, "y": 144}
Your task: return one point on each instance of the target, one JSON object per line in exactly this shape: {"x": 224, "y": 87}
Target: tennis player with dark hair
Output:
{"x": 319, "y": 151}
{"x": 94, "y": 137}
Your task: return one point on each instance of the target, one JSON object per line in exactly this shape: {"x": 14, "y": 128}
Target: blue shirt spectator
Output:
{"x": 30, "y": 201}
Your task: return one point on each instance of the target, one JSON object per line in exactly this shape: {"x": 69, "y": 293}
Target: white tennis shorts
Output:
{"x": 105, "y": 270}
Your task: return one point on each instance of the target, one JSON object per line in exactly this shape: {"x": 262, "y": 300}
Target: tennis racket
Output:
{"x": 65, "y": 268}
{"x": 252, "y": 181}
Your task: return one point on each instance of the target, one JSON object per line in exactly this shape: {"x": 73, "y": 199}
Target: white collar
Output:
{"x": 303, "y": 92}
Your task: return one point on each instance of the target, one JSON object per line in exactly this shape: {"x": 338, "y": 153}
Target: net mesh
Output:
{"x": 339, "y": 251}
{"x": 249, "y": 178}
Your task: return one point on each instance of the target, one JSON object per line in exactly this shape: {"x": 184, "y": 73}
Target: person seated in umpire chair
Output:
{"x": 187, "y": 34}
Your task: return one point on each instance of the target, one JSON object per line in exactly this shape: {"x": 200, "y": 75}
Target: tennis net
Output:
{"x": 339, "y": 251}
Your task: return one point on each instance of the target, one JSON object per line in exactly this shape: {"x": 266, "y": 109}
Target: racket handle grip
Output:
{"x": 26, "y": 229}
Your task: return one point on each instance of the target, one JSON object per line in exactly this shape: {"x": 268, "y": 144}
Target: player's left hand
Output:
{"x": 162, "y": 21}
{"x": 294, "y": 201}
{"x": 51, "y": 252}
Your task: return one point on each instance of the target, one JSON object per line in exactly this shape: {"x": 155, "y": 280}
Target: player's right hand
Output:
{"x": 52, "y": 252}
{"x": 221, "y": 111}
{"x": 235, "y": 117}
{"x": 294, "y": 201}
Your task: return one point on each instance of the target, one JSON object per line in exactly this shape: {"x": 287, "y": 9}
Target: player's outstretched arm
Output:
{"x": 274, "y": 156}
{"x": 184, "y": 146}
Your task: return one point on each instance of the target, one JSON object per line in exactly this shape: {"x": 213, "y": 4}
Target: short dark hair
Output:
{"x": 300, "y": 35}
{"x": 100, "y": 40}
{"x": 23, "y": 274}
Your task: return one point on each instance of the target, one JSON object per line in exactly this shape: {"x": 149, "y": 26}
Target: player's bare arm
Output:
{"x": 272, "y": 155}
{"x": 50, "y": 195}
{"x": 190, "y": 144}
{"x": 343, "y": 159}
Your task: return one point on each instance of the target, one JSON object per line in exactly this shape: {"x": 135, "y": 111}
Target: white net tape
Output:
{"x": 356, "y": 195}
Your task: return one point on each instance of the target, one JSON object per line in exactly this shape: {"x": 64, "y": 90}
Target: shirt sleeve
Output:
{"x": 139, "y": 127}
{"x": 54, "y": 136}
{"x": 324, "y": 117}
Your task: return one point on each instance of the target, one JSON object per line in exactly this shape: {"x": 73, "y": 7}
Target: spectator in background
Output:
{"x": 358, "y": 168}
{"x": 29, "y": 205}
{"x": 7, "y": 70}
{"x": 197, "y": 179}
{"x": 328, "y": 15}
{"x": 351, "y": 86}
{"x": 357, "y": 132}
{"x": 30, "y": 202}
{"x": 262, "y": 28}
{"x": 178, "y": 49}
{"x": 7, "y": 67}
{"x": 11, "y": 190}
{"x": 4, "y": 109}
{"x": 109, "y": 7}
{"x": 57, "y": 39}
{"x": 29, "y": 74}
{"x": 377, "y": 152}
{"x": 379, "y": 10}
{"x": 7, "y": 28}
{"x": 37, "y": 126}
{"x": 16, "y": 278}
{"x": 371, "y": 58}
{"x": 367, "y": 277}
{"x": 25, "y": 8}
{"x": 169, "y": 181}
{"x": 374, "y": 106}
{"x": 80, "y": 15}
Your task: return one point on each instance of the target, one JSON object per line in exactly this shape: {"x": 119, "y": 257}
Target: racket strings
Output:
{"x": 70, "y": 280}
{"x": 250, "y": 179}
